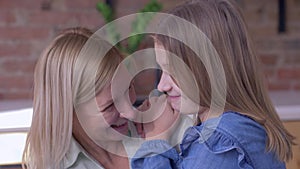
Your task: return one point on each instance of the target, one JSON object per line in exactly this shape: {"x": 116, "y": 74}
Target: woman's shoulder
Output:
{"x": 78, "y": 158}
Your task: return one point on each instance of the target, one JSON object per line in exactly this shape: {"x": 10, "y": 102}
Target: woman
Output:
{"x": 238, "y": 126}
{"x": 75, "y": 123}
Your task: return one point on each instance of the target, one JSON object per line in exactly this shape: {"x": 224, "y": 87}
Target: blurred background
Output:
{"x": 27, "y": 26}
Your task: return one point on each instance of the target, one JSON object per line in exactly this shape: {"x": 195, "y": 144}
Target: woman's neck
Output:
{"x": 107, "y": 154}
{"x": 110, "y": 154}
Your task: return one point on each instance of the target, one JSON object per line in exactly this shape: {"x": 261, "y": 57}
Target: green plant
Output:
{"x": 138, "y": 26}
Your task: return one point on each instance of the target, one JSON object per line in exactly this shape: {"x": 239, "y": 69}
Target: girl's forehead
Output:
{"x": 160, "y": 53}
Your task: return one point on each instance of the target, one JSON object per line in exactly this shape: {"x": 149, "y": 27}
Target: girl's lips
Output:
{"x": 170, "y": 98}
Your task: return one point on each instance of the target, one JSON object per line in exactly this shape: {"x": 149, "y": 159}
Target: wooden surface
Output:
{"x": 294, "y": 128}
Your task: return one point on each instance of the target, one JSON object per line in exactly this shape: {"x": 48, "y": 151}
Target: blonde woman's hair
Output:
{"x": 67, "y": 73}
{"x": 223, "y": 24}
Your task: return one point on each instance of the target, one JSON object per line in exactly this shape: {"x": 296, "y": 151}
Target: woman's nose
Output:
{"x": 128, "y": 113}
{"x": 164, "y": 84}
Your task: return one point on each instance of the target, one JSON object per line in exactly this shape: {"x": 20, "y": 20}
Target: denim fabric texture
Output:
{"x": 231, "y": 141}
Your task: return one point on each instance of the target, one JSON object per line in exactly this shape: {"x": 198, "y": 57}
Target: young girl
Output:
{"x": 239, "y": 126}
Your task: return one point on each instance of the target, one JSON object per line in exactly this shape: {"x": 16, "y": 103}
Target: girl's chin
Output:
{"x": 174, "y": 102}
{"x": 175, "y": 106}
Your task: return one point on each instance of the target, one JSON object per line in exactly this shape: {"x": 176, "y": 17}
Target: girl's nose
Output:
{"x": 164, "y": 84}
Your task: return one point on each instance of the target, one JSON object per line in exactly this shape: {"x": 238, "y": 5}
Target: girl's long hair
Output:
{"x": 246, "y": 92}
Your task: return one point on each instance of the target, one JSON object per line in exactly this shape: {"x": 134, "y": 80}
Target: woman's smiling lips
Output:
{"x": 120, "y": 127}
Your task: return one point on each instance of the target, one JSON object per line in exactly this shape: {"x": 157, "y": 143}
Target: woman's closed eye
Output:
{"x": 108, "y": 108}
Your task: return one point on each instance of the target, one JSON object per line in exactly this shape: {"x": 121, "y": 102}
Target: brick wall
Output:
{"x": 27, "y": 26}
{"x": 279, "y": 52}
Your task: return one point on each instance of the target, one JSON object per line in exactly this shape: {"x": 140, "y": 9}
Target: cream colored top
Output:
{"x": 78, "y": 158}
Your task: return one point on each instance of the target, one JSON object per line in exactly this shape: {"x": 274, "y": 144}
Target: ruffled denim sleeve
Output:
{"x": 218, "y": 152}
{"x": 231, "y": 142}
{"x": 156, "y": 154}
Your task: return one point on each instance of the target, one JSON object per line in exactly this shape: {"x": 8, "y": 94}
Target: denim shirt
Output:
{"x": 231, "y": 141}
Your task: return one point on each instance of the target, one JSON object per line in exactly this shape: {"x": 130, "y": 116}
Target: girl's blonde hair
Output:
{"x": 68, "y": 73}
{"x": 223, "y": 24}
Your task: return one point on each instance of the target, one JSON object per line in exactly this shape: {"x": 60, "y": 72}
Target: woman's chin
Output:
{"x": 122, "y": 128}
